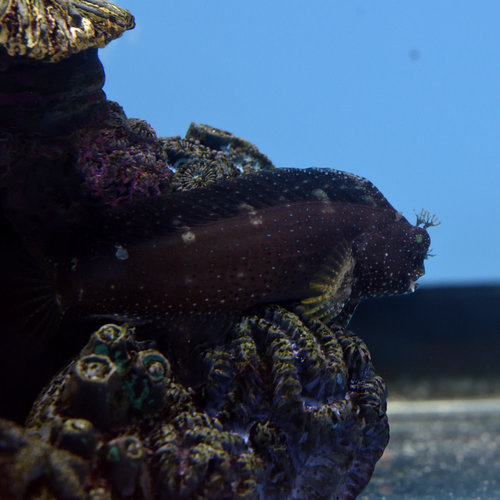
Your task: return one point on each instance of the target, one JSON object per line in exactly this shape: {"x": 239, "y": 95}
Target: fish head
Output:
{"x": 390, "y": 260}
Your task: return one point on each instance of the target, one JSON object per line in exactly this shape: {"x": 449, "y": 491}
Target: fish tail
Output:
{"x": 43, "y": 309}
{"x": 29, "y": 298}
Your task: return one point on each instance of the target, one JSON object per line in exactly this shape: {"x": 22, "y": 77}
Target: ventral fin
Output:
{"x": 330, "y": 286}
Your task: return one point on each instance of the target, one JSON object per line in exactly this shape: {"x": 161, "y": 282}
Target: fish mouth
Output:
{"x": 419, "y": 273}
{"x": 413, "y": 283}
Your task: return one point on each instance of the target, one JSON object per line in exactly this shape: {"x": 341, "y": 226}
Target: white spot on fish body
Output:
{"x": 319, "y": 194}
{"x": 255, "y": 219}
{"x": 246, "y": 206}
{"x": 121, "y": 253}
{"x": 188, "y": 237}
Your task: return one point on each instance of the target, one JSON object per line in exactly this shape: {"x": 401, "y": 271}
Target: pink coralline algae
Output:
{"x": 120, "y": 165}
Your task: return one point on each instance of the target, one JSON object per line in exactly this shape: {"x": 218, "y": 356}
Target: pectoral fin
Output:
{"x": 331, "y": 286}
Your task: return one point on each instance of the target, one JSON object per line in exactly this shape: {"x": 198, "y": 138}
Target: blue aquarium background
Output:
{"x": 405, "y": 94}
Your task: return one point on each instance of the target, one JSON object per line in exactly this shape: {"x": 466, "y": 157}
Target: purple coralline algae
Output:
{"x": 123, "y": 163}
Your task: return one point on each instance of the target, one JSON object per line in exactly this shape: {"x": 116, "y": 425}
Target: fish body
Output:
{"x": 275, "y": 237}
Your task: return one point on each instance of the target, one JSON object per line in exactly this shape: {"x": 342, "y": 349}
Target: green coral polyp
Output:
{"x": 111, "y": 333}
{"x": 156, "y": 365}
{"x": 113, "y": 454}
{"x": 137, "y": 391}
{"x": 95, "y": 368}
{"x": 101, "y": 349}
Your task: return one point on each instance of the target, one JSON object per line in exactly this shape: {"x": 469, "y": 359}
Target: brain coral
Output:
{"x": 286, "y": 410}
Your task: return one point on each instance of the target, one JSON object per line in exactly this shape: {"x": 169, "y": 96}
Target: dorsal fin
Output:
{"x": 253, "y": 191}
{"x": 139, "y": 220}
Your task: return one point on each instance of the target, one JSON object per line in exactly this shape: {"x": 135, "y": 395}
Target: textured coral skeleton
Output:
{"x": 51, "y": 30}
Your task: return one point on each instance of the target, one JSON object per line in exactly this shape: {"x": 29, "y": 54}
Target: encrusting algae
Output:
{"x": 245, "y": 274}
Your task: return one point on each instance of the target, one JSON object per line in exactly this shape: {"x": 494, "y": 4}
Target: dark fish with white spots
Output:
{"x": 321, "y": 238}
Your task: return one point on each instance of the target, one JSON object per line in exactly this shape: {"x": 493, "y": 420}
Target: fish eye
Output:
{"x": 419, "y": 238}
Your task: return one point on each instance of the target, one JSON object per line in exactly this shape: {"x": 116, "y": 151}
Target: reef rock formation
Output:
{"x": 123, "y": 160}
{"x": 286, "y": 411}
{"x": 31, "y": 468}
{"x": 307, "y": 400}
{"x": 51, "y": 76}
